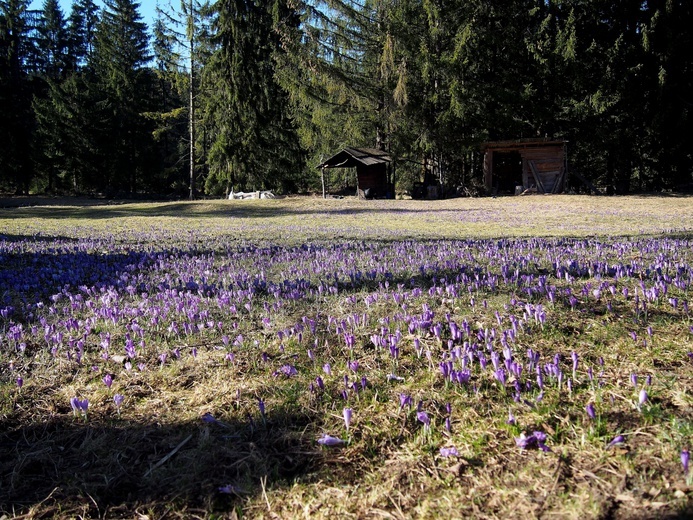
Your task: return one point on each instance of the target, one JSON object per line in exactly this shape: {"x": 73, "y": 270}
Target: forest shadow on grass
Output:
{"x": 256, "y": 209}
{"x": 121, "y": 468}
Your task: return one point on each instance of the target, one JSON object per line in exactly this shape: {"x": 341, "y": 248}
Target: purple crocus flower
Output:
{"x": 424, "y": 418}
{"x": 500, "y": 375}
{"x": 20, "y": 382}
{"x": 79, "y": 406}
{"x": 405, "y": 400}
{"x": 327, "y": 369}
{"x": 536, "y": 440}
{"x": 347, "y": 412}
{"x": 108, "y": 380}
{"x": 590, "y": 411}
{"x": 642, "y": 397}
{"x": 634, "y": 379}
{"x": 286, "y": 371}
{"x": 449, "y": 452}
{"x": 511, "y": 418}
{"x": 118, "y": 400}
{"x": 208, "y": 418}
{"x": 619, "y": 439}
{"x": 261, "y": 406}
{"x": 328, "y": 440}
{"x": 230, "y": 489}
{"x": 685, "y": 457}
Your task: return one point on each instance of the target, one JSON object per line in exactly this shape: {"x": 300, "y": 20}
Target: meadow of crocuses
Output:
{"x": 302, "y": 358}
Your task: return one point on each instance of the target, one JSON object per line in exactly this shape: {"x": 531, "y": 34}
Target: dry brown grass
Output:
{"x": 158, "y": 459}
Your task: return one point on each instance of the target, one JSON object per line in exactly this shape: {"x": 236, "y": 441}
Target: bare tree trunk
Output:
{"x": 191, "y": 100}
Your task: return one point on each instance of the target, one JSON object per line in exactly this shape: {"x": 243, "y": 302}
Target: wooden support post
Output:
{"x": 322, "y": 174}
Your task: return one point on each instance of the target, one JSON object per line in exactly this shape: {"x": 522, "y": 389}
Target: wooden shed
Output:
{"x": 372, "y": 170}
{"x": 512, "y": 166}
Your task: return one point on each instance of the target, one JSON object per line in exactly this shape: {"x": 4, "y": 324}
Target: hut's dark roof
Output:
{"x": 519, "y": 144}
{"x": 352, "y": 157}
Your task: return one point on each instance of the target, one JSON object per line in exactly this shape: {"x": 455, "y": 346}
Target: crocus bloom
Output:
{"x": 20, "y": 382}
{"x": 79, "y": 406}
{"x": 619, "y": 439}
{"x": 286, "y": 371}
{"x": 634, "y": 379}
{"x": 108, "y": 380}
{"x": 590, "y": 411}
{"x": 347, "y": 412}
{"x": 424, "y": 418}
{"x": 642, "y": 398}
{"x": 511, "y": 418}
{"x": 685, "y": 456}
{"x": 536, "y": 440}
{"x": 449, "y": 452}
{"x": 118, "y": 399}
{"x": 261, "y": 406}
{"x": 230, "y": 489}
{"x": 328, "y": 440}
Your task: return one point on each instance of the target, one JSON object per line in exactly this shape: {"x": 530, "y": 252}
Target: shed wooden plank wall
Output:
{"x": 546, "y": 163}
{"x": 373, "y": 177}
{"x": 543, "y": 164}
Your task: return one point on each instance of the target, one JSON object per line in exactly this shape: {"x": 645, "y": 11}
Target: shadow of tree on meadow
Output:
{"x": 109, "y": 467}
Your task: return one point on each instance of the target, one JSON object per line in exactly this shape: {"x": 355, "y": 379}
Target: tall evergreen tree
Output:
{"x": 333, "y": 96}
{"x": 52, "y": 41}
{"x": 121, "y": 54}
{"x": 181, "y": 46}
{"x": 66, "y": 112}
{"x": 81, "y": 32}
{"x": 16, "y": 91}
{"x": 254, "y": 142}
{"x": 51, "y": 67}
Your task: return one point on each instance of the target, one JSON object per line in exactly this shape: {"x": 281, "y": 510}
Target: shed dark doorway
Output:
{"x": 507, "y": 170}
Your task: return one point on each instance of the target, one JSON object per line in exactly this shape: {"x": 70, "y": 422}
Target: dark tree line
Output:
{"x": 252, "y": 94}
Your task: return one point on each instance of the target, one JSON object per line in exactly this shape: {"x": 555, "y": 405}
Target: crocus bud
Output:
{"x": 347, "y": 412}
{"x": 685, "y": 456}
{"x": 642, "y": 398}
{"x": 590, "y": 411}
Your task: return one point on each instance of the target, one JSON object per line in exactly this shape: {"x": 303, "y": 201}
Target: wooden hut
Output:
{"x": 525, "y": 164}
{"x": 372, "y": 170}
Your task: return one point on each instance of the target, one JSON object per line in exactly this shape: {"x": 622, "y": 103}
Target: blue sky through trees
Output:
{"x": 147, "y": 9}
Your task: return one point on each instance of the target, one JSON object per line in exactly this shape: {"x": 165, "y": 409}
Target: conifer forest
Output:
{"x": 254, "y": 94}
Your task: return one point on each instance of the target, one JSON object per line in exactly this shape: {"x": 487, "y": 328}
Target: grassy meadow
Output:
{"x": 307, "y": 358}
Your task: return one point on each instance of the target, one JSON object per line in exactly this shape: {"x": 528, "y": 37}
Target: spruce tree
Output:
{"x": 52, "y": 41}
{"x": 81, "y": 33}
{"x": 16, "y": 92}
{"x": 254, "y": 143}
{"x": 124, "y": 84}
